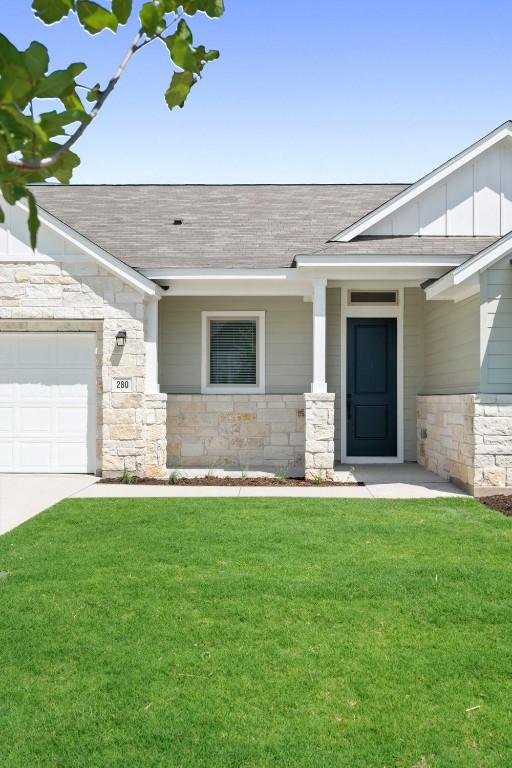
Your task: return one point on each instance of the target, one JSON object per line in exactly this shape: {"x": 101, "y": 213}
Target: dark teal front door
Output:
{"x": 371, "y": 386}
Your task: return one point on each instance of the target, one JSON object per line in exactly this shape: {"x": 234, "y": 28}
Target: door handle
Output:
{"x": 349, "y": 406}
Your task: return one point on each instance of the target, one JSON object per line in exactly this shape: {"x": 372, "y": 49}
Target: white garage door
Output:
{"x": 47, "y": 402}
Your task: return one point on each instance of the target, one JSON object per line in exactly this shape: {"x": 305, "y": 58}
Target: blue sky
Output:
{"x": 304, "y": 92}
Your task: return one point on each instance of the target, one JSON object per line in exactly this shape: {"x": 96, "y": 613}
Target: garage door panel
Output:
{"x": 6, "y": 390}
{"x": 6, "y": 456}
{"x": 47, "y": 402}
{"x": 6, "y": 420}
{"x": 35, "y": 420}
{"x": 71, "y": 421}
{"x": 34, "y": 455}
{"x": 70, "y": 455}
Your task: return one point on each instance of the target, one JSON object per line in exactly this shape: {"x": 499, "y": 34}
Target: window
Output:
{"x": 233, "y": 354}
{"x": 373, "y": 297}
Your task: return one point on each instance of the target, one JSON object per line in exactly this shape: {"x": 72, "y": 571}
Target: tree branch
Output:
{"x": 35, "y": 165}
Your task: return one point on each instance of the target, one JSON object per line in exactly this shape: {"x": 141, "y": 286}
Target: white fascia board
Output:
{"x": 471, "y": 267}
{"x": 109, "y": 262}
{"x": 425, "y": 260}
{"x": 425, "y": 183}
{"x": 219, "y": 274}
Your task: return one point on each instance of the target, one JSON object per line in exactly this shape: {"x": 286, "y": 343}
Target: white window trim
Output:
{"x": 239, "y": 389}
{"x": 381, "y": 310}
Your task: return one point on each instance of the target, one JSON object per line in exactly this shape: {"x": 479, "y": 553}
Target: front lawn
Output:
{"x": 251, "y": 633}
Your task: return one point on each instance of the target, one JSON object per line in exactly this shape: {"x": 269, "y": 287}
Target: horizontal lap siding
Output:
{"x": 288, "y": 344}
{"x": 414, "y": 320}
{"x": 452, "y": 347}
{"x": 496, "y": 297}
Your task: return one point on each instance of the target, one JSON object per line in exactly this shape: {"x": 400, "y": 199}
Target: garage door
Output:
{"x": 47, "y": 402}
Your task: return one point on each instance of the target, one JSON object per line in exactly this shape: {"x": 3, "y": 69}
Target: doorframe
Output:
{"x": 373, "y": 310}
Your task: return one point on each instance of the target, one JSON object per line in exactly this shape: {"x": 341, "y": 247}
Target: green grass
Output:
{"x": 221, "y": 633}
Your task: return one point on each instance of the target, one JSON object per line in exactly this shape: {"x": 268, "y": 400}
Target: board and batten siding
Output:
{"x": 496, "y": 319}
{"x": 414, "y": 356}
{"x": 452, "y": 347}
{"x": 288, "y": 341}
{"x": 474, "y": 200}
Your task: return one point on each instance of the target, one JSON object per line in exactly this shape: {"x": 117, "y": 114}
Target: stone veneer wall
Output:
{"x": 445, "y": 436}
{"x": 263, "y": 432}
{"x": 74, "y": 294}
{"x": 319, "y": 443}
{"x": 467, "y": 438}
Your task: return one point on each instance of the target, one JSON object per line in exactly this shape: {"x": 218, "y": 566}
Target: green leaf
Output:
{"x": 53, "y": 123}
{"x": 51, "y": 11}
{"x": 179, "y": 89}
{"x": 182, "y": 52}
{"x": 63, "y": 169}
{"x": 94, "y": 93}
{"x": 59, "y": 83}
{"x": 122, "y": 9}
{"x": 212, "y": 8}
{"x": 151, "y": 18}
{"x": 94, "y": 18}
{"x": 33, "y": 218}
{"x": 36, "y": 60}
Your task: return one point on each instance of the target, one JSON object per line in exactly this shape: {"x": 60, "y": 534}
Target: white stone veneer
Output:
{"x": 244, "y": 431}
{"x": 467, "y": 438}
{"x": 319, "y": 444}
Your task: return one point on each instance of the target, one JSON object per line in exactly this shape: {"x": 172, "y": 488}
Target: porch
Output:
{"x": 286, "y": 410}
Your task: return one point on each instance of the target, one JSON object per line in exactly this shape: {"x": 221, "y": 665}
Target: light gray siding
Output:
{"x": 288, "y": 343}
{"x": 496, "y": 307}
{"x": 333, "y": 358}
{"x": 452, "y": 347}
{"x": 414, "y": 344}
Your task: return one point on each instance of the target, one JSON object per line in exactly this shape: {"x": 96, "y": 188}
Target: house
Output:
{"x": 286, "y": 327}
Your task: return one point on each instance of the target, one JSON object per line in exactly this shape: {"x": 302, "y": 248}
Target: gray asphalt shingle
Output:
{"x": 245, "y": 226}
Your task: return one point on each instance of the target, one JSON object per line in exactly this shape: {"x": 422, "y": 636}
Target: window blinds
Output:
{"x": 233, "y": 351}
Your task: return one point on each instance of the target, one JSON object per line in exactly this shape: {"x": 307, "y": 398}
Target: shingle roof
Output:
{"x": 406, "y": 245}
{"x": 234, "y": 226}
{"x": 252, "y": 226}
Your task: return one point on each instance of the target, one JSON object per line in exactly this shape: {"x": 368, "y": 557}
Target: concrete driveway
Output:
{"x": 23, "y": 496}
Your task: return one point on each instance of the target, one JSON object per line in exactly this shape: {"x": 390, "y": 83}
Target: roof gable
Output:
{"x": 57, "y": 240}
{"x": 469, "y": 195}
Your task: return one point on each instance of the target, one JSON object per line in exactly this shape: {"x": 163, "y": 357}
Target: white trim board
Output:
{"x": 447, "y": 287}
{"x": 383, "y": 310}
{"x": 425, "y": 183}
{"x": 208, "y": 389}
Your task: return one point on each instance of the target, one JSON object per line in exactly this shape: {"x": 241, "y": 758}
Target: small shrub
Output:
{"x": 128, "y": 477}
{"x": 281, "y": 476}
{"x": 243, "y": 473}
{"x": 173, "y": 477}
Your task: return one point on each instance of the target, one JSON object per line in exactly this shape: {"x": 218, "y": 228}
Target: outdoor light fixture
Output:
{"x": 120, "y": 338}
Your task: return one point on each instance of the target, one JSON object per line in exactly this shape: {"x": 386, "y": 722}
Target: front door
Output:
{"x": 371, "y": 386}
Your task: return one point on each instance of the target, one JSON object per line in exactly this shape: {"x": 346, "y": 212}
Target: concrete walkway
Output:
{"x": 382, "y": 481}
{"x": 23, "y": 496}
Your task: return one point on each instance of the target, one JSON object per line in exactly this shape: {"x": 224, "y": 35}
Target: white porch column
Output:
{"x": 151, "y": 344}
{"x": 319, "y": 301}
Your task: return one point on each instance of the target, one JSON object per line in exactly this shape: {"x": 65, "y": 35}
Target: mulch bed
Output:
{"x": 299, "y": 482}
{"x": 500, "y": 503}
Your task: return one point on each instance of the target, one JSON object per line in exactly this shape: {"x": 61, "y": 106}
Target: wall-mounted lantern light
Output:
{"x": 120, "y": 338}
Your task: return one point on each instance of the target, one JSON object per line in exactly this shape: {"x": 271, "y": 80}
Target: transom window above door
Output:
{"x": 233, "y": 352}
{"x": 373, "y": 297}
